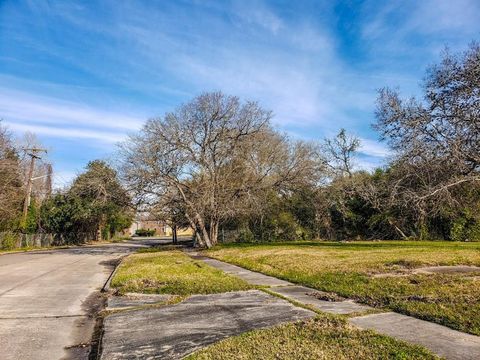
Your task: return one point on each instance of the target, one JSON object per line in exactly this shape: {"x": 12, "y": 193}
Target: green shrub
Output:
{"x": 145, "y": 232}
{"x": 245, "y": 235}
{"x": 8, "y": 241}
{"x": 465, "y": 228}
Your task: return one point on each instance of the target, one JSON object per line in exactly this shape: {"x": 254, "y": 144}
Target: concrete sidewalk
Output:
{"x": 441, "y": 340}
{"x": 251, "y": 277}
{"x": 445, "y": 342}
{"x": 174, "y": 331}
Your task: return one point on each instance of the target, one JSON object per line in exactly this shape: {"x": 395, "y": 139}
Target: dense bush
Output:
{"x": 96, "y": 203}
{"x": 145, "y": 232}
{"x": 429, "y": 190}
{"x": 8, "y": 240}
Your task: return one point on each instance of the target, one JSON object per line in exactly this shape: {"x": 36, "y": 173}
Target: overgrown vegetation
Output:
{"x": 325, "y": 337}
{"x": 172, "y": 272}
{"x": 218, "y": 165}
{"x": 95, "y": 204}
{"x": 8, "y": 241}
{"x": 377, "y": 273}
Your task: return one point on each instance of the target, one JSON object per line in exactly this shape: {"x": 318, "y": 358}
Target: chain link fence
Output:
{"x": 13, "y": 240}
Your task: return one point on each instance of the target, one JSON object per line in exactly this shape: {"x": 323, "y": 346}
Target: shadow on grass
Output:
{"x": 356, "y": 245}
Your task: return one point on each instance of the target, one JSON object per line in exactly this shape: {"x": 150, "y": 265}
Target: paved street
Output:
{"x": 46, "y": 299}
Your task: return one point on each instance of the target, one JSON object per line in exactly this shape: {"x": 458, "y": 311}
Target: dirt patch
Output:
{"x": 404, "y": 264}
{"x": 152, "y": 284}
{"x": 457, "y": 269}
{"x": 422, "y": 298}
{"x": 395, "y": 274}
{"x": 325, "y": 296}
{"x": 428, "y": 270}
{"x": 112, "y": 263}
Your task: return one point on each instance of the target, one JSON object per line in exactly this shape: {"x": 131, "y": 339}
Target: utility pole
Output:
{"x": 32, "y": 152}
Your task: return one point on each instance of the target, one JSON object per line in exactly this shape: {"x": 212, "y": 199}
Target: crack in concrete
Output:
{"x": 42, "y": 317}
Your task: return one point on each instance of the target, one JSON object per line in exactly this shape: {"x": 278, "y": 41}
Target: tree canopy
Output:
{"x": 95, "y": 203}
{"x": 217, "y": 156}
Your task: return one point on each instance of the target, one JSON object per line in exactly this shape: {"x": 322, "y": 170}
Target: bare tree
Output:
{"x": 11, "y": 185}
{"x": 340, "y": 152}
{"x": 215, "y": 155}
{"x": 437, "y": 140}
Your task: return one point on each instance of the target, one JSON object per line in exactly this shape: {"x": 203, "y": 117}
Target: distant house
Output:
{"x": 146, "y": 221}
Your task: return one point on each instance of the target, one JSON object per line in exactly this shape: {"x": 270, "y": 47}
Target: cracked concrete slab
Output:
{"x": 301, "y": 294}
{"x": 173, "y": 331}
{"x": 251, "y": 277}
{"x": 443, "y": 341}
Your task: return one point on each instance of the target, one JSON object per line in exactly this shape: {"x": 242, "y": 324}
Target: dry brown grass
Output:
{"x": 325, "y": 337}
{"x": 347, "y": 269}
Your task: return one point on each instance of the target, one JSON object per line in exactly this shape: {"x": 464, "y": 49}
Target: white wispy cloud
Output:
{"x": 24, "y": 106}
{"x": 374, "y": 148}
{"x": 278, "y": 71}
{"x": 402, "y": 27}
{"x": 68, "y": 133}
{"x": 293, "y": 63}
{"x": 255, "y": 12}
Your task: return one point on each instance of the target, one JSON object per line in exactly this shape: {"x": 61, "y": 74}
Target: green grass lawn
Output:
{"x": 349, "y": 270}
{"x": 172, "y": 272}
{"x": 325, "y": 337}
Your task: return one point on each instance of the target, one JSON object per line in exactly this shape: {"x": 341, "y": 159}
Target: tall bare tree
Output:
{"x": 216, "y": 155}
{"x": 437, "y": 139}
{"x": 340, "y": 152}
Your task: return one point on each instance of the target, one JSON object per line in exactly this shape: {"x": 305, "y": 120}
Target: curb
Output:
{"x": 106, "y": 286}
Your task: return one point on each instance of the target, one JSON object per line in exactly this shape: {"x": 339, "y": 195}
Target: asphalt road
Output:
{"x": 47, "y": 299}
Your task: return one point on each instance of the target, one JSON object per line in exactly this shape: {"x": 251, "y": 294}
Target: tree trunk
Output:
{"x": 99, "y": 232}
{"x": 203, "y": 231}
{"x": 196, "y": 229}
{"x": 214, "y": 232}
{"x": 402, "y": 234}
{"x": 174, "y": 234}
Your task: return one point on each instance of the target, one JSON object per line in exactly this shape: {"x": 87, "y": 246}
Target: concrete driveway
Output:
{"x": 47, "y": 299}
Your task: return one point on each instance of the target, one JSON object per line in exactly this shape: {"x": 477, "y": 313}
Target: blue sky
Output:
{"x": 83, "y": 74}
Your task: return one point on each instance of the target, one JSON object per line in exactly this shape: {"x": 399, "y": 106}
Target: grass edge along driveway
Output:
{"x": 357, "y": 270}
{"x": 172, "y": 272}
